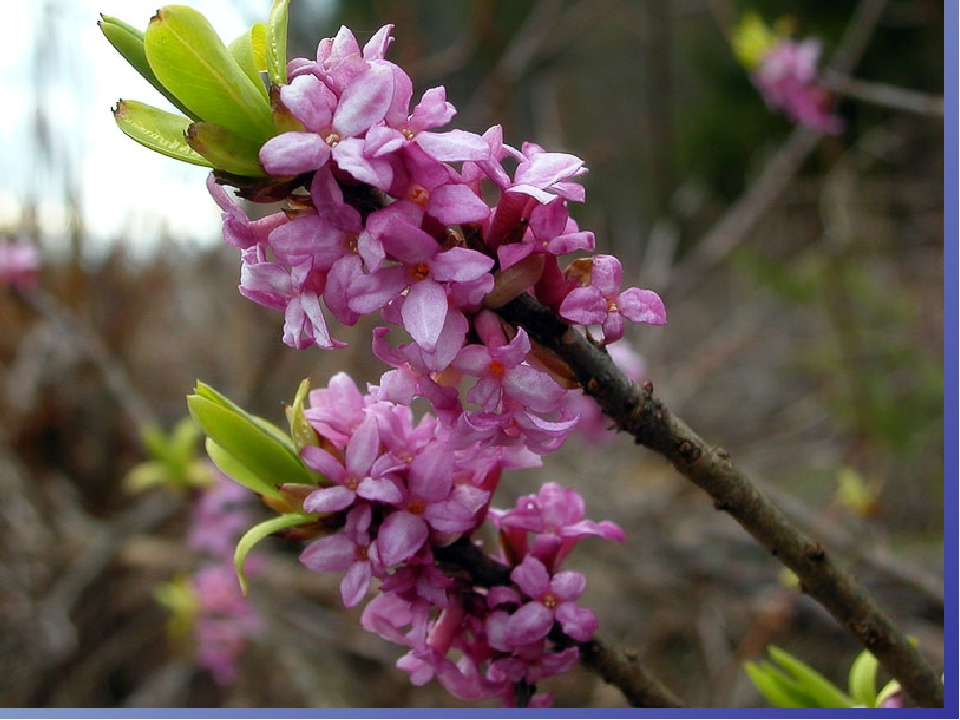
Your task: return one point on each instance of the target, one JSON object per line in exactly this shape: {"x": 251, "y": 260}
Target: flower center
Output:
{"x": 416, "y": 506}
{"x": 496, "y": 368}
{"x": 418, "y": 194}
{"x": 332, "y": 139}
{"x": 612, "y": 306}
{"x": 420, "y": 271}
{"x": 549, "y": 601}
{"x": 351, "y": 482}
{"x": 407, "y": 133}
{"x": 360, "y": 553}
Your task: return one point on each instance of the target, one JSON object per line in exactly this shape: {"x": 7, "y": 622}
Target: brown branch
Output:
{"x": 651, "y": 424}
{"x": 619, "y": 668}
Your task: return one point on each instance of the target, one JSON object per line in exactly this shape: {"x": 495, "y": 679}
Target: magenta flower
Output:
{"x": 350, "y": 550}
{"x": 602, "y": 303}
{"x": 551, "y": 600}
{"x": 225, "y": 620}
{"x": 357, "y": 475}
{"x": 555, "y": 516}
{"x": 501, "y": 372}
{"x": 337, "y": 410}
{"x": 219, "y": 517}
{"x": 787, "y": 78}
{"x": 19, "y": 264}
{"x": 424, "y": 306}
{"x": 432, "y": 501}
{"x": 238, "y": 229}
{"x": 551, "y": 231}
{"x": 335, "y": 125}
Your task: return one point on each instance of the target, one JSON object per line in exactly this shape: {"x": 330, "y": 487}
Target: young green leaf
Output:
{"x": 250, "y": 52}
{"x": 128, "y": 41}
{"x": 146, "y": 475}
{"x": 825, "y": 692}
{"x": 237, "y": 471}
{"x": 863, "y": 679}
{"x": 258, "y": 533}
{"x": 190, "y": 59}
{"x": 777, "y": 688}
{"x": 277, "y": 42}
{"x": 157, "y": 130}
{"x": 301, "y": 430}
{"x": 269, "y": 459}
{"x": 225, "y": 150}
{"x": 208, "y": 392}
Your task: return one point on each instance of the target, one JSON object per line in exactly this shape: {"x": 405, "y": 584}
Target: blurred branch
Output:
{"x": 651, "y": 424}
{"x": 889, "y": 96}
{"x": 58, "y": 603}
{"x": 746, "y": 212}
{"x": 86, "y": 339}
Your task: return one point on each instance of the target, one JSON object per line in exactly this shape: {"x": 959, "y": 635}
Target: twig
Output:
{"x": 890, "y": 96}
{"x": 651, "y": 424}
{"x": 619, "y": 668}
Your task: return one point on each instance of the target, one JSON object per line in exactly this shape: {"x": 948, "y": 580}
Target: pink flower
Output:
{"x": 501, "y": 372}
{"x": 225, "y": 620}
{"x": 551, "y": 600}
{"x": 787, "y": 78}
{"x": 350, "y": 550}
{"x": 358, "y": 475}
{"x": 555, "y": 515}
{"x": 19, "y": 264}
{"x": 238, "y": 230}
{"x": 431, "y": 502}
{"x": 601, "y": 302}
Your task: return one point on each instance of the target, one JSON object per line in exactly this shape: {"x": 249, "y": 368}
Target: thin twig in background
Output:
{"x": 86, "y": 340}
{"x": 891, "y": 96}
{"x": 651, "y": 424}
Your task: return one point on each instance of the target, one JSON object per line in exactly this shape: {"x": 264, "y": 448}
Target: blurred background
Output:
{"x": 803, "y": 278}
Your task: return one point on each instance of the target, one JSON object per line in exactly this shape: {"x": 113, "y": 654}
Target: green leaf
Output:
{"x": 863, "y": 679}
{"x": 184, "y": 438}
{"x": 891, "y": 688}
{"x": 270, "y": 460}
{"x": 190, "y": 59}
{"x": 146, "y": 475}
{"x": 158, "y": 130}
{"x": 301, "y": 431}
{"x": 776, "y": 687}
{"x": 154, "y": 441}
{"x": 825, "y": 692}
{"x": 277, "y": 42}
{"x": 128, "y": 41}
{"x": 206, "y": 391}
{"x": 226, "y": 150}
{"x": 237, "y": 471}
{"x": 249, "y": 50}
{"x": 258, "y": 533}
{"x": 265, "y": 451}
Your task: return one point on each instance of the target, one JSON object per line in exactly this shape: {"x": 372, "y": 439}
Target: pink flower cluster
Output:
{"x": 404, "y": 491}
{"x": 393, "y": 219}
{"x": 224, "y": 619}
{"x": 788, "y": 79}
